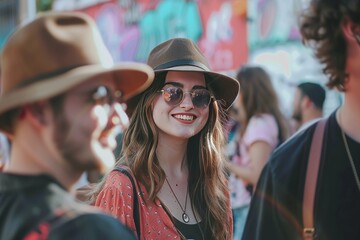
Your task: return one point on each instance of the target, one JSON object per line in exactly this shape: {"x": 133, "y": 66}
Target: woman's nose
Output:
{"x": 187, "y": 103}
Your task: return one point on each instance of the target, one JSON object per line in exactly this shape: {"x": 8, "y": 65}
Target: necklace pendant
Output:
{"x": 185, "y": 217}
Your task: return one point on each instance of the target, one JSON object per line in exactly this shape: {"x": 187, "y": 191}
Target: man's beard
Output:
{"x": 71, "y": 150}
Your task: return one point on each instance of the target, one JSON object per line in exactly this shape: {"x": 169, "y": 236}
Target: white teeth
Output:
{"x": 185, "y": 117}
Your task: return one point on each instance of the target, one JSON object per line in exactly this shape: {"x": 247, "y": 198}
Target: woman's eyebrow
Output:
{"x": 177, "y": 84}
{"x": 199, "y": 87}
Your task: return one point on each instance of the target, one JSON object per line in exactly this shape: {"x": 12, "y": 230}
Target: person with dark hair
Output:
{"x": 332, "y": 28}
{"x": 173, "y": 152}
{"x": 308, "y": 103}
{"x": 60, "y": 107}
{"x": 262, "y": 128}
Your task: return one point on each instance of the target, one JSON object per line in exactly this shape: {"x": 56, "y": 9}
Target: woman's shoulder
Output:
{"x": 119, "y": 177}
{"x": 123, "y": 177}
{"x": 263, "y": 118}
{"x": 261, "y": 128}
{"x": 262, "y": 123}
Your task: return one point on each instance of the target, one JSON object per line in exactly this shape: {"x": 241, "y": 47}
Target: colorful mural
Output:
{"x": 132, "y": 28}
{"x": 273, "y": 22}
{"x": 8, "y": 19}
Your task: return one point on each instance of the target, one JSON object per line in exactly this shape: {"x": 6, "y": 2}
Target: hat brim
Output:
{"x": 131, "y": 79}
{"x": 225, "y": 88}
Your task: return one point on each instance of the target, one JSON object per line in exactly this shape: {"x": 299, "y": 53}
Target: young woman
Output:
{"x": 262, "y": 128}
{"x": 173, "y": 150}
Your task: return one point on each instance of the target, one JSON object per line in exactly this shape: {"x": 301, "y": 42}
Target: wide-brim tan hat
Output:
{"x": 56, "y": 52}
{"x": 182, "y": 54}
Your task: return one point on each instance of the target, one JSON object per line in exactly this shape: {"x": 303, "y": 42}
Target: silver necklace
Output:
{"x": 349, "y": 155}
{"x": 184, "y": 216}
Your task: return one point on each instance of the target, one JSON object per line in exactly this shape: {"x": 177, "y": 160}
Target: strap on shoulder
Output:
{"x": 136, "y": 204}
{"x": 311, "y": 180}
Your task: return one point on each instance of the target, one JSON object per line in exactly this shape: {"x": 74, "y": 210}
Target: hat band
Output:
{"x": 183, "y": 62}
{"x": 46, "y": 76}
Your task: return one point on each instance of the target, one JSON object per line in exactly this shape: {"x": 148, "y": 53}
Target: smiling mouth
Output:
{"x": 185, "y": 117}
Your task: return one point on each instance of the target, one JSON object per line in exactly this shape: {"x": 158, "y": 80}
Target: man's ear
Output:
{"x": 306, "y": 102}
{"x": 36, "y": 111}
{"x": 351, "y": 30}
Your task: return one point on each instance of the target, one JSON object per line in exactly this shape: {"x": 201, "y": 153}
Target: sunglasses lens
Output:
{"x": 173, "y": 95}
{"x": 102, "y": 96}
{"x": 201, "y": 98}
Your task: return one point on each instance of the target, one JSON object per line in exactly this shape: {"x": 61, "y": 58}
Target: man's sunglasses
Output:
{"x": 200, "y": 97}
{"x": 104, "y": 97}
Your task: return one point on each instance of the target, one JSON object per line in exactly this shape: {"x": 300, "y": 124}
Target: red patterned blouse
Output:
{"x": 116, "y": 198}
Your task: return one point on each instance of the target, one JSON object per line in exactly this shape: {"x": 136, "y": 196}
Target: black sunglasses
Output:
{"x": 200, "y": 97}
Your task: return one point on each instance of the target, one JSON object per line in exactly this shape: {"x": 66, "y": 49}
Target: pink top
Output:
{"x": 260, "y": 128}
{"x": 116, "y": 198}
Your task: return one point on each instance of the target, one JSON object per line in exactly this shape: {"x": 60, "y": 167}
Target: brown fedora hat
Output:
{"x": 182, "y": 54}
{"x": 57, "y": 51}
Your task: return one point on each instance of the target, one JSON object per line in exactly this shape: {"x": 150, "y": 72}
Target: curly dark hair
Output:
{"x": 320, "y": 26}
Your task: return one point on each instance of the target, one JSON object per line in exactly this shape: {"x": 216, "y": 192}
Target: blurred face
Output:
{"x": 85, "y": 131}
{"x": 181, "y": 110}
{"x": 297, "y": 112}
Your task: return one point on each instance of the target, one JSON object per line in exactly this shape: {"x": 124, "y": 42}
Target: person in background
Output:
{"x": 308, "y": 103}
{"x": 232, "y": 126}
{"x": 262, "y": 129}
{"x": 60, "y": 107}
{"x": 4, "y": 150}
{"x": 332, "y": 28}
{"x": 173, "y": 149}
{"x": 4, "y": 145}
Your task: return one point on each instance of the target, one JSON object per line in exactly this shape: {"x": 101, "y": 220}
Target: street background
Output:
{"x": 230, "y": 33}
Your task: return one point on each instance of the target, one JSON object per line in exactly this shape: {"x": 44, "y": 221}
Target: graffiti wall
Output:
{"x": 275, "y": 44}
{"x": 8, "y": 19}
{"x": 273, "y": 22}
{"x": 132, "y": 28}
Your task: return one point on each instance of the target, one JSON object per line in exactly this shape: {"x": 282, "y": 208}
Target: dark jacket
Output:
{"x": 276, "y": 207}
{"x": 37, "y": 207}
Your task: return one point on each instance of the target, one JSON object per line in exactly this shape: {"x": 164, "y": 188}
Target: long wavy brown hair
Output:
{"x": 207, "y": 175}
{"x": 320, "y": 26}
{"x": 259, "y": 97}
